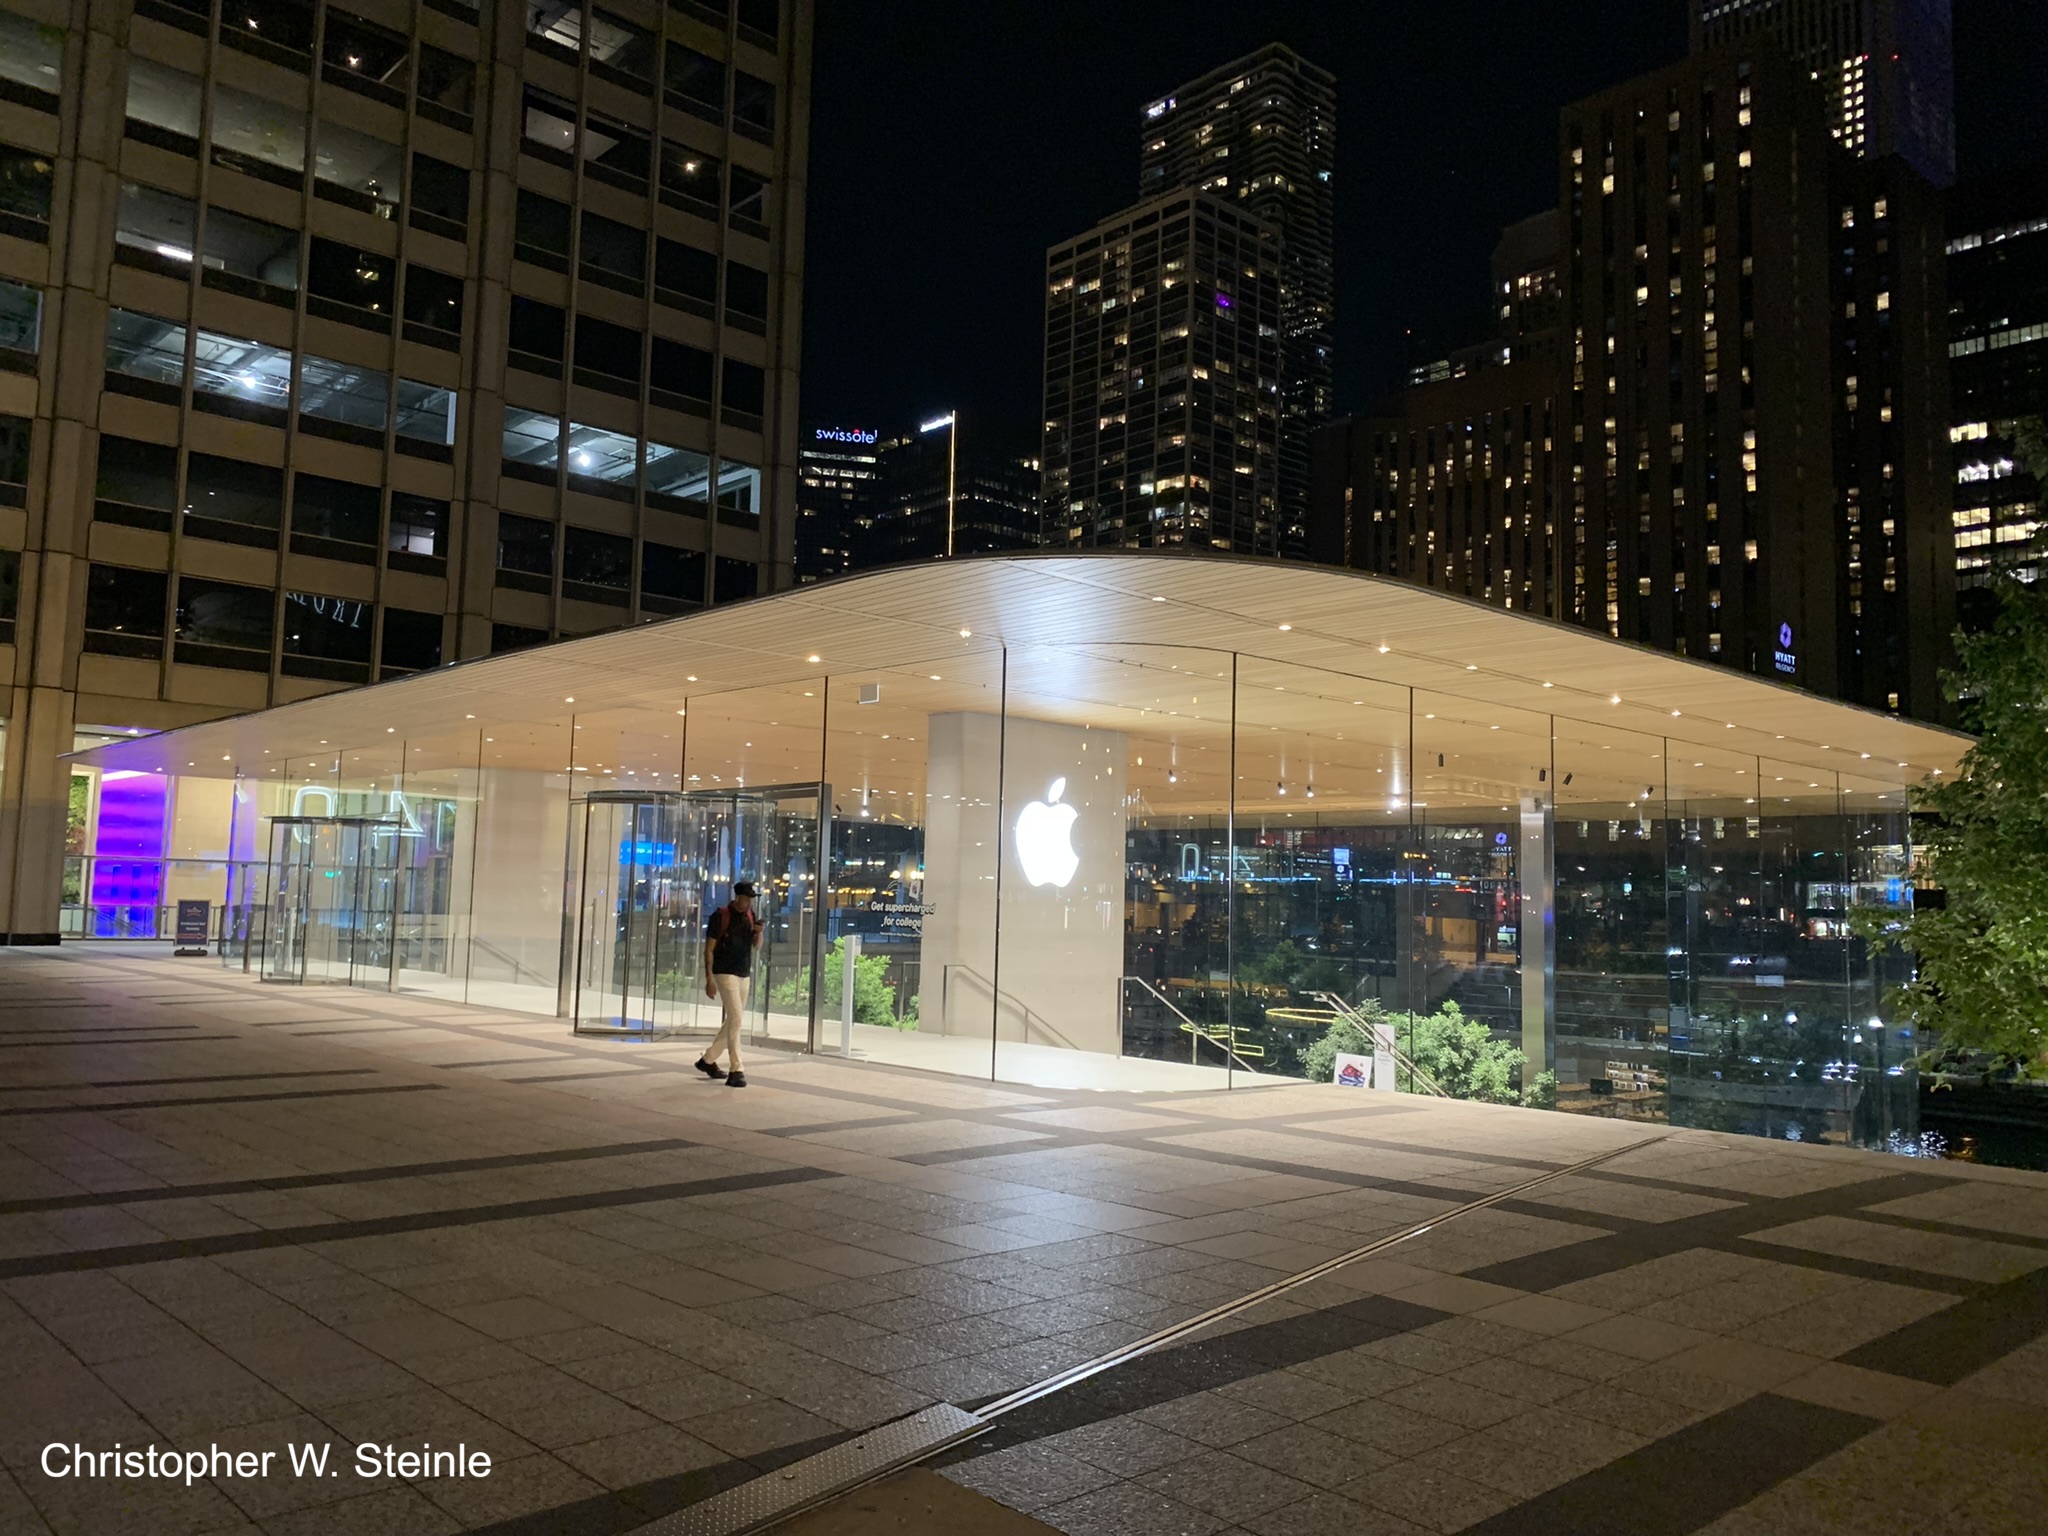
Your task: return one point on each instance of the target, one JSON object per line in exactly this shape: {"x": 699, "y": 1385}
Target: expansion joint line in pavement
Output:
{"x": 868, "y": 1457}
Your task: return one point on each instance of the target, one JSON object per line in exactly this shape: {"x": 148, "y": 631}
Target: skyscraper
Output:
{"x": 1749, "y": 445}
{"x": 361, "y": 341}
{"x": 1998, "y": 346}
{"x": 838, "y": 479}
{"x": 1261, "y": 133}
{"x": 947, "y": 489}
{"x": 1162, "y": 381}
{"x": 1887, "y": 68}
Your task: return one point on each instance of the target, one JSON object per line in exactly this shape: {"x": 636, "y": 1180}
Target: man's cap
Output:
{"x": 744, "y": 888}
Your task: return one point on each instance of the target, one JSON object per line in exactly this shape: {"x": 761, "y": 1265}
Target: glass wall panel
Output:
{"x": 163, "y": 105}
{"x": 521, "y": 840}
{"x": 258, "y": 136}
{"x": 237, "y": 377}
{"x": 752, "y": 765}
{"x": 425, "y": 413}
{"x": 1614, "y": 983}
{"x": 912, "y": 757}
{"x": 1482, "y": 809}
{"x": 438, "y": 810}
{"x": 1325, "y": 883}
{"x": 356, "y": 169}
{"x": 1172, "y": 990}
{"x": 156, "y": 230}
{"x": 342, "y": 395}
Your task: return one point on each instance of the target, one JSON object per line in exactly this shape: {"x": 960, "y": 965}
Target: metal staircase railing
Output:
{"x": 1349, "y": 1015}
{"x": 1219, "y": 1036}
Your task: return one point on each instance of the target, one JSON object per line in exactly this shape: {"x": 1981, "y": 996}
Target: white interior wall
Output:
{"x": 1062, "y": 939}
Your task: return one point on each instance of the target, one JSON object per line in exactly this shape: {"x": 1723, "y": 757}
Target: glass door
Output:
{"x": 633, "y": 913}
{"x": 333, "y": 884}
{"x": 647, "y": 870}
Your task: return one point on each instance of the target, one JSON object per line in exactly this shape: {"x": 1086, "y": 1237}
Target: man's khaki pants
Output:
{"x": 732, "y": 999}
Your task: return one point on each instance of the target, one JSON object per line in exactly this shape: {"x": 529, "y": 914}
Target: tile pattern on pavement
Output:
{"x": 247, "y": 1216}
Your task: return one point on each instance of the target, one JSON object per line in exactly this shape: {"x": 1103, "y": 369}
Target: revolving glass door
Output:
{"x": 333, "y": 901}
{"x": 646, "y": 871}
{"x": 633, "y": 912}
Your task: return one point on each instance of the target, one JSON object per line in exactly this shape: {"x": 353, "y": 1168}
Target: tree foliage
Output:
{"x": 1981, "y": 957}
{"x": 874, "y": 998}
{"x": 1456, "y": 1052}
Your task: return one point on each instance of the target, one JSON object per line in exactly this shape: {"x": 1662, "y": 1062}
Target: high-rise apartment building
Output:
{"x": 1749, "y": 440}
{"x": 1261, "y": 133}
{"x": 1887, "y": 68}
{"x": 1998, "y": 358}
{"x": 337, "y": 343}
{"x": 1452, "y": 484}
{"x": 838, "y": 491}
{"x": 1162, "y": 381}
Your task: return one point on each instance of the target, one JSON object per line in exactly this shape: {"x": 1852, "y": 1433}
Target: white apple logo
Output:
{"x": 1045, "y": 843}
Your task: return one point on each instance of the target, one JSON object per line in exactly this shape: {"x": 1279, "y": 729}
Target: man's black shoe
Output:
{"x": 710, "y": 1069}
{"x": 736, "y": 1080}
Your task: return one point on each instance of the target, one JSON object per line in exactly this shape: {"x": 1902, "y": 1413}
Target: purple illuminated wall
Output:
{"x": 128, "y": 872}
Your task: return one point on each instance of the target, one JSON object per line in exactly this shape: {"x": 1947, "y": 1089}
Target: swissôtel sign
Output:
{"x": 844, "y": 435}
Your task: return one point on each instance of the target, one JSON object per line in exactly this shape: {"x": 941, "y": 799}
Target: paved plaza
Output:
{"x": 256, "y": 1218}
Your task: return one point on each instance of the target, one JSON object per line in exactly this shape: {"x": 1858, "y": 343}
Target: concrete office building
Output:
{"x": 1131, "y": 821}
{"x": 343, "y": 343}
{"x": 1998, "y": 357}
{"x": 1260, "y": 133}
{"x": 1887, "y": 68}
{"x": 1163, "y": 382}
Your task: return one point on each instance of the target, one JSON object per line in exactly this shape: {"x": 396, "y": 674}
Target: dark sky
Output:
{"x": 953, "y": 142}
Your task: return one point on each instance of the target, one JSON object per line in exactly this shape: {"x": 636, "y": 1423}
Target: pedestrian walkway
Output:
{"x": 250, "y": 1217}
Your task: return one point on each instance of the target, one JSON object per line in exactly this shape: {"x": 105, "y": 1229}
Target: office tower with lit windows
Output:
{"x": 1998, "y": 358}
{"x": 1755, "y": 397}
{"x": 837, "y": 497}
{"x": 341, "y": 341}
{"x": 1746, "y": 398}
{"x": 1452, "y": 483}
{"x": 947, "y": 488}
{"x": 1887, "y": 68}
{"x": 1162, "y": 381}
{"x": 1260, "y": 133}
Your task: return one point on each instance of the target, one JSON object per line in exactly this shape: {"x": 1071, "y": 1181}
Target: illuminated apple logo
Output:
{"x": 1045, "y": 841}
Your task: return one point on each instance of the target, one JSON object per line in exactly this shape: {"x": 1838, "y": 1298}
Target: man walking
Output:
{"x": 730, "y": 939}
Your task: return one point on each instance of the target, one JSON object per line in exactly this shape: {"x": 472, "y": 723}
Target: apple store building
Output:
{"x": 1119, "y": 821}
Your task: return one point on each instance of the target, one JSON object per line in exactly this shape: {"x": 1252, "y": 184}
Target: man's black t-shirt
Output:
{"x": 730, "y": 933}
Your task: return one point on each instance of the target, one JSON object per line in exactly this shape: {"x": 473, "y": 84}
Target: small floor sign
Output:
{"x": 194, "y": 918}
{"x": 1353, "y": 1071}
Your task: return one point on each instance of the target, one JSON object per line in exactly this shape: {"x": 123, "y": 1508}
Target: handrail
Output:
{"x": 1194, "y": 1029}
{"x": 1028, "y": 1016}
{"x": 1401, "y": 1058}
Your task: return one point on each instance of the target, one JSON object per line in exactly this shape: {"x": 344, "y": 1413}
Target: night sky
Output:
{"x": 952, "y": 143}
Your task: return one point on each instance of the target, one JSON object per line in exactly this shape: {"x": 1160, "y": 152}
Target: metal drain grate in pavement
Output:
{"x": 816, "y": 1479}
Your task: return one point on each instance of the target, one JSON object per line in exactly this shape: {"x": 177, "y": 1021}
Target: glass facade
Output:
{"x": 1127, "y": 864}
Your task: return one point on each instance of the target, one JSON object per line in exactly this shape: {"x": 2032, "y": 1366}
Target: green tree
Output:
{"x": 1981, "y": 959}
{"x": 1457, "y": 1053}
{"x": 874, "y": 999}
